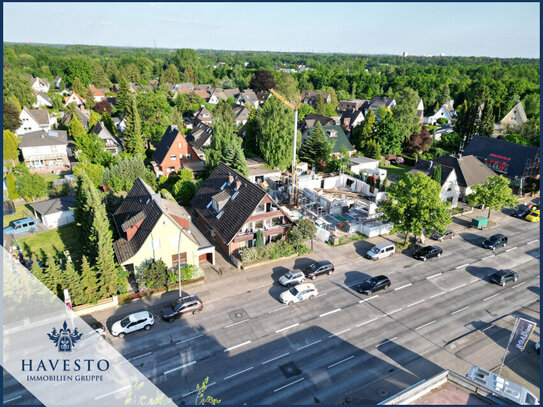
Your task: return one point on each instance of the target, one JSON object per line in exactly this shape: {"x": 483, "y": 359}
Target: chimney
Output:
{"x": 238, "y": 184}
{"x": 230, "y": 179}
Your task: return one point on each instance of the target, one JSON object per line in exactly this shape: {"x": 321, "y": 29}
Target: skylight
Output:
{"x": 219, "y": 214}
{"x": 223, "y": 185}
{"x": 209, "y": 204}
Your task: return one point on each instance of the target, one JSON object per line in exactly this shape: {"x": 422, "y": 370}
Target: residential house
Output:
{"x": 83, "y": 117}
{"x": 33, "y": 120}
{"x": 263, "y": 97}
{"x": 336, "y": 135}
{"x": 199, "y": 137}
{"x": 352, "y": 104}
{"x": 115, "y": 88}
{"x": 469, "y": 170}
{"x": 515, "y": 118}
{"x": 234, "y": 94}
{"x": 350, "y": 119}
{"x": 39, "y": 84}
{"x": 54, "y": 213}
{"x": 512, "y": 160}
{"x": 242, "y": 114}
{"x": 172, "y": 152}
{"x": 420, "y": 110}
{"x": 42, "y": 100}
{"x": 74, "y": 98}
{"x": 232, "y": 209}
{"x": 97, "y": 94}
{"x": 450, "y": 190}
{"x": 260, "y": 171}
{"x": 249, "y": 97}
{"x": 203, "y": 115}
{"x": 309, "y": 97}
{"x": 120, "y": 124}
{"x": 153, "y": 228}
{"x": 311, "y": 120}
{"x": 57, "y": 81}
{"x": 112, "y": 143}
{"x": 376, "y": 102}
{"x": 446, "y": 111}
{"x": 359, "y": 165}
{"x": 45, "y": 152}
{"x": 216, "y": 95}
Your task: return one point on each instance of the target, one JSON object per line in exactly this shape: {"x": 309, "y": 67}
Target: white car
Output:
{"x": 133, "y": 322}
{"x": 299, "y": 293}
{"x": 292, "y": 278}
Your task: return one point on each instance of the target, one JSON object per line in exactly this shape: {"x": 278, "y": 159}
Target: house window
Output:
{"x": 170, "y": 169}
{"x": 180, "y": 157}
{"x": 179, "y": 145}
{"x": 261, "y": 208}
{"x": 173, "y": 157}
{"x": 182, "y": 258}
{"x": 188, "y": 156}
{"x": 154, "y": 244}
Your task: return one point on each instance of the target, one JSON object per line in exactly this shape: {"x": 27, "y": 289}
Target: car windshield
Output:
{"x": 372, "y": 282}
{"x": 312, "y": 267}
{"x": 374, "y": 249}
{"x": 176, "y": 305}
{"x": 288, "y": 275}
{"x": 494, "y": 238}
{"x": 125, "y": 322}
{"x": 426, "y": 249}
{"x": 294, "y": 291}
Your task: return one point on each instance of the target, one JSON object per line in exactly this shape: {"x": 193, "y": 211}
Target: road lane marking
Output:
{"x": 141, "y": 356}
{"x": 438, "y": 294}
{"x": 367, "y": 322}
{"x": 237, "y": 323}
{"x": 13, "y": 399}
{"x": 460, "y": 310}
{"x": 461, "y": 285}
{"x": 237, "y": 346}
{"x": 308, "y": 345}
{"x": 367, "y": 299}
{"x": 321, "y": 294}
{"x": 238, "y": 373}
{"x": 179, "y": 367}
{"x": 341, "y": 361}
{"x": 533, "y": 241}
{"x": 392, "y": 312}
{"x": 487, "y": 257}
{"x": 275, "y": 358}
{"x": 474, "y": 280}
{"x": 113, "y": 392}
{"x": 387, "y": 341}
{"x": 164, "y": 343}
{"x": 403, "y": 286}
{"x": 415, "y": 303}
{"x": 339, "y": 333}
{"x": 492, "y": 296}
{"x": 512, "y": 248}
{"x": 488, "y": 327}
{"x": 278, "y": 309}
{"x": 463, "y": 265}
{"x": 190, "y": 339}
{"x": 290, "y": 384}
{"x": 518, "y": 285}
{"x": 194, "y": 391}
{"x": 330, "y": 312}
{"x": 284, "y": 329}
{"x": 432, "y": 276}
{"x": 429, "y": 323}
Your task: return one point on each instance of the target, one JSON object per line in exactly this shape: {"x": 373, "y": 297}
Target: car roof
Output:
{"x": 16, "y": 222}
{"x": 381, "y": 277}
{"x": 383, "y": 245}
{"x": 503, "y": 272}
{"x": 138, "y": 315}
{"x": 305, "y": 286}
{"x": 499, "y": 235}
{"x": 323, "y": 262}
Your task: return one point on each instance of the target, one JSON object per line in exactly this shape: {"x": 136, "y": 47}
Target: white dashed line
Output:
{"x": 438, "y": 294}
{"x": 367, "y": 322}
{"x": 463, "y": 265}
{"x": 387, "y": 341}
{"x": 278, "y": 309}
{"x": 492, "y": 296}
{"x": 339, "y": 333}
{"x": 275, "y": 358}
{"x": 460, "y": 286}
{"x": 141, "y": 356}
{"x": 179, "y": 367}
{"x": 533, "y": 241}
{"x": 341, "y": 361}
{"x": 284, "y": 329}
{"x": 487, "y": 257}
{"x": 512, "y": 248}
{"x": 237, "y": 323}
{"x": 190, "y": 339}
{"x": 330, "y": 312}
{"x": 237, "y": 346}
{"x": 367, "y": 299}
{"x": 415, "y": 303}
{"x": 403, "y": 286}
{"x": 164, "y": 343}
{"x": 422, "y": 326}
{"x": 13, "y": 399}
{"x": 113, "y": 392}
{"x": 238, "y": 373}
{"x": 321, "y": 294}
{"x": 290, "y": 384}
{"x": 432, "y": 276}
{"x": 460, "y": 310}
{"x": 308, "y": 345}
{"x": 474, "y": 280}
{"x": 518, "y": 285}
{"x": 488, "y": 327}
{"x": 393, "y": 312}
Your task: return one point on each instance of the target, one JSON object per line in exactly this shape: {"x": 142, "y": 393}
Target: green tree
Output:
{"x": 123, "y": 94}
{"x": 31, "y": 186}
{"x": 11, "y": 115}
{"x": 18, "y": 86}
{"x": 405, "y": 113}
{"x": 170, "y": 75}
{"x": 372, "y": 149}
{"x": 486, "y": 125}
{"x": 186, "y": 175}
{"x": 90, "y": 283}
{"x": 200, "y": 396}
{"x": 83, "y": 213}
{"x": 122, "y": 175}
{"x": 154, "y": 112}
{"x": 70, "y": 280}
{"x": 185, "y": 191}
{"x": 436, "y": 175}
{"x": 304, "y": 230}
{"x": 223, "y": 137}
{"x": 155, "y": 275}
{"x": 414, "y": 205}
{"x": 287, "y": 86}
{"x": 444, "y": 94}
{"x": 316, "y": 149}
{"x": 319, "y": 104}
{"x": 53, "y": 277}
{"x": 10, "y": 146}
{"x": 364, "y": 132}
{"x": 12, "y": 187}
{"x": 132, "y": 137}
{"x": 235, "y": 159}
{"x": 108, "y": 122}
{"x": 259, "y": 239}
{"x": 387, "y": 133}
{"x": 93, "y": 171}
{"x": 94, "y": 118}
{"x": 494, "y": 193}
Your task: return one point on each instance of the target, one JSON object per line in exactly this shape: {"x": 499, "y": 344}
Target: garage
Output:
{"x": 56, "y": 212}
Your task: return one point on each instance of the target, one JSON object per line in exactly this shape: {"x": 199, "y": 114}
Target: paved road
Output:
{"x": 257, "y": 351}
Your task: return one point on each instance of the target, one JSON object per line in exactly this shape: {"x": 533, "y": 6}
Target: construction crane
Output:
{"x": 295, "y": 107}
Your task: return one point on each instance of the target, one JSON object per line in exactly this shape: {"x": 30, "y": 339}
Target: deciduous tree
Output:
{"x": 262, "y": 81}
{"x": 10, "y": 146}
{"x": 494, "y": 193}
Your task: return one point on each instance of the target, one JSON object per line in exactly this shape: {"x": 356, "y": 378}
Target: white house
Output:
{"x": 74, "y": 98}
{"x": 42, "y": 100}
{"x": 39, "y": 84}
{"x": 360, "y": 165}
{"x": 446, "y": 111}
{"x": 45, "y": 152}
{"x": 33, "y": 120}
{"x": 450, "y": 190}
{"x": 54, "y": 213}
{"x": 112, "y": 143}
{"x": 120, "y": 125}
{"x": 515, "y": 118}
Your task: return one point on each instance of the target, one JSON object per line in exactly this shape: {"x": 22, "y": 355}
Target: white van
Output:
{"x": 381, "y": 251}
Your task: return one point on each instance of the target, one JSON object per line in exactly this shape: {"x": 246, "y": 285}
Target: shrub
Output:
{"x": 442, "y": 121}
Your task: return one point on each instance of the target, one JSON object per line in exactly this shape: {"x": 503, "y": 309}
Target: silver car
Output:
{"x": 292, "y": 278}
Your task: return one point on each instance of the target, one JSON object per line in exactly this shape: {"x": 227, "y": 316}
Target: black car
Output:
{"x": 181, "y": 306}
{"x": 449, "y": 234}
{"x": 500, "y": 277}
{"x": 318, "y": 268}
{"x": 493, "y": 242}
{"x": 374, "y": 284}
{"x": 521, "y": 211}
{"x": 427, "y": 252}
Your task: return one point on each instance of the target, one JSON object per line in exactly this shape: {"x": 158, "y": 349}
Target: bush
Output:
{"x": 442, "y": 121}
{"x": 273, "y": 251}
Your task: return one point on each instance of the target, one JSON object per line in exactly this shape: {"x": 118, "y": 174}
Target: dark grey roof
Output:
{"x": 83, "y": 118}
{"x": 469, "y": 170}
{"x": 380, "y": 101}
{"x": 236, "y": 211}
{"x": 428, "y": 167}
{"x": 352, "y": 115}
{"x": 312, "y": 118}
{"x": 203, "y": 114}
{"x": 47, "y": 98}
{"x": 62, "y": 204}
{"x": 519, "y": 156}
{"x": 199, "y": 134}
{"x": 102, "y": 131}
{"x": 41, "y": 138}
{"x": 41, "y": 116}
{"x": 165, "y": 143}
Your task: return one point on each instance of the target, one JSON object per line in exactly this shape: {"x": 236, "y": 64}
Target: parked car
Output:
{"x": 318, "y": 268}
{"x": 381, "y": 251}
{"x": 97, "y": 333}
{"x": 427, "y": 252}
{"x": 449, "y": 234}
{"x": 521, "y": 211}
{"x": 533, "y": 216}
{"x": 495, "y": 241}
{"x": 299, "y": 293}
{"x": 98, "y": 328}
{"x": 374, "y": 284}
{"x": 133, "y": 322}
{"x": 500, "y": 277}
{"x": 185, "y": 305}
{"x": 21, "y": 226}
{"x": 292, "y": 278}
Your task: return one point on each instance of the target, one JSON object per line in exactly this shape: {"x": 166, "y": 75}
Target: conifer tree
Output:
{"x": 132, "y": 136}
{"x": 123, "y": 94}
{"x": 71, "y": 282}
{"x": 90, "y": 282}
{"x": 316, "y": 149}
{"x": 52, "y": 275}
{"x": 436, "y": 175}
{"x": 83, "y": 213}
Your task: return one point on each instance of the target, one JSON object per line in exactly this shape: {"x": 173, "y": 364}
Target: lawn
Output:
{"x": 395, "y": 171}
{"x": 21, "y": 211}
{"x": 53, "y": 241}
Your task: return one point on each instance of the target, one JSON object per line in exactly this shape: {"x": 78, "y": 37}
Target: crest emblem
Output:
{"x": 64, "y": 339}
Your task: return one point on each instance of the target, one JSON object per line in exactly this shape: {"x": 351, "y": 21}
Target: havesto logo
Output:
{"x": 68, "y": 369}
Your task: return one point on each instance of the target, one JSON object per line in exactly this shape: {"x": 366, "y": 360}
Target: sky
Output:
{"x": 466, "y": 29}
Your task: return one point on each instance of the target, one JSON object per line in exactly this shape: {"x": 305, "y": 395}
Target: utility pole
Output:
{"x": 179, "y": 262}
